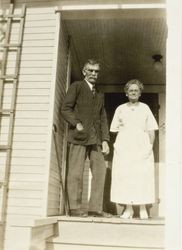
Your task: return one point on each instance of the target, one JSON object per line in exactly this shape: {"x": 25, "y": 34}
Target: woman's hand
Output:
{"x": 105, "y": 148}
{"x": 150, "y": 150}
{"x": 151, "y": 134}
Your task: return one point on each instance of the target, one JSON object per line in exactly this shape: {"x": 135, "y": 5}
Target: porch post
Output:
{"x": 174, "y": 125}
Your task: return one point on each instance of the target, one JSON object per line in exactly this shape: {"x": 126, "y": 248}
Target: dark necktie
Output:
{"x": 93, "y": 90}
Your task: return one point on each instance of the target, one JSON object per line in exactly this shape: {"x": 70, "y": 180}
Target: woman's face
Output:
{"x": 133, "y": 93}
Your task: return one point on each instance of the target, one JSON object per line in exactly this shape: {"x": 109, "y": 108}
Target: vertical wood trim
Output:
{"x": 173, "y": 172}
{"x": 64, "y": 159}
{"x": 162, "y": 165}
{"x": 51, "y": 115}
{"x": 162, "y": 126}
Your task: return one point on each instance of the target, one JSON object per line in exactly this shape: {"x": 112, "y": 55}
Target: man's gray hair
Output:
{"x": 91, "y": 62}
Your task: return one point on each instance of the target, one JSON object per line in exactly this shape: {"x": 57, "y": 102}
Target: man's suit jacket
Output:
{"x": 80, "y": 106}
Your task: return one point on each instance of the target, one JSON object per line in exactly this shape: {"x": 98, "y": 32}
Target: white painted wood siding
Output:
{"x": 29, "y": 164}
{"x": 4, "y": 3}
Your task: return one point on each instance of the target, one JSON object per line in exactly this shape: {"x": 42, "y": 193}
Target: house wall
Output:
{"x": 29, "y": 174}
{"x": 4, "y": 3}
{"x": 30, "y": 141}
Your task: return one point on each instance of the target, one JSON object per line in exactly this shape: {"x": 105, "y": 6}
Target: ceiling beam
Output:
{"x": 113, "y": 6}
{"x": 78, "y": 12}
{"x": 119, "y": 88}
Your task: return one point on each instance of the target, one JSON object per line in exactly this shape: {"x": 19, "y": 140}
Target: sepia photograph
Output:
{"x": 90, "y": 124}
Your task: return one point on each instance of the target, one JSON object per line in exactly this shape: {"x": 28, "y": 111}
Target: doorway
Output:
{"x": 124, "y": 41}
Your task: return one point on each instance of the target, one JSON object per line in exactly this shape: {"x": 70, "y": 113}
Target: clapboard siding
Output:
{"x": 26, "y": 202}
{"x": 61, "y": 79}
{"x": 29, "y": 37}
{"x": 28, "y": 169}
{"x": 33, "y": 55}
{"x": 28, "y": 130}
{"x": 24, "y": 185}
{"x": 28, "y": 164}
{"x": 31, "y": 71}
{"x": 26, "y": 194}
{"x": 38, "y": 3}
{"x": 30, "y": 122}
{"x": 28, "y": 64}
{"x": 33, "y": 99}
{"x": 5, "y": 3}
{"x": 27, "y": 176}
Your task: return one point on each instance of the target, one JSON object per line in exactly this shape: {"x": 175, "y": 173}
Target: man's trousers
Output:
{"x": 77, "y": 157}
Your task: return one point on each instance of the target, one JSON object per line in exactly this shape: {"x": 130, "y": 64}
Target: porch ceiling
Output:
{"x": 124, "y": 44}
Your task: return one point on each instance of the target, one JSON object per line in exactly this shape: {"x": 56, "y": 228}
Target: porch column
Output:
{"x": 174, "y": 125}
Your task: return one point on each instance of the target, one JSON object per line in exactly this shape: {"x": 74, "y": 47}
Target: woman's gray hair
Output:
{"x": 131, "y": 82}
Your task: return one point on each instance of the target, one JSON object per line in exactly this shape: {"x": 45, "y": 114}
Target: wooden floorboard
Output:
{"x": 112, "y": 220}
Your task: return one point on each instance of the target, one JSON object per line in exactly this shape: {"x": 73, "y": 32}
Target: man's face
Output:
{"x": 91, "y": 72}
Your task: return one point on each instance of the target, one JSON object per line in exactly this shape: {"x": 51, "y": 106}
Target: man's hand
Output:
{"x": 105, "y": 148}
{"x": 79, "y": 126}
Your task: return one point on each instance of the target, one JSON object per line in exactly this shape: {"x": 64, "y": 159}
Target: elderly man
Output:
{"x": 83, "y": 109}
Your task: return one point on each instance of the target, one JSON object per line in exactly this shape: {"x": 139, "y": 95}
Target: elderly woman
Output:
{"x": 133, "y": 161}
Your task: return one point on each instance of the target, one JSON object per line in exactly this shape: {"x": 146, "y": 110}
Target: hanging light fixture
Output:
{"x": 157, "y": 62}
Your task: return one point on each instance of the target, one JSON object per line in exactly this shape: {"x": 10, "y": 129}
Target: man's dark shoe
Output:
{"x": 78, "y": 213}
{"x": 99, "y": 214}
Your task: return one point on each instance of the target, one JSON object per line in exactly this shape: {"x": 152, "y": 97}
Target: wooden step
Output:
{"x": 62, "y": 246}
{"x": 108, "y": 233}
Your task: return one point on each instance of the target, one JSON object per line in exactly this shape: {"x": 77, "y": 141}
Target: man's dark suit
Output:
{"x": 80, "y": 106}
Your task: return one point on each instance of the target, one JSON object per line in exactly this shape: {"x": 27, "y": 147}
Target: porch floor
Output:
{"x": 113, "y": 220}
